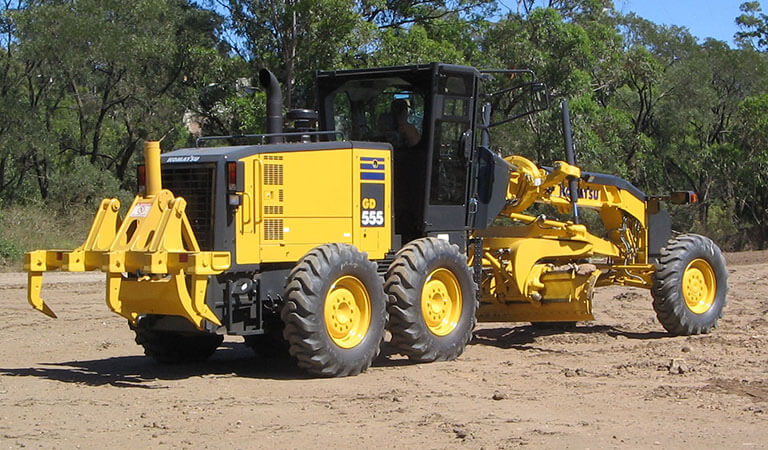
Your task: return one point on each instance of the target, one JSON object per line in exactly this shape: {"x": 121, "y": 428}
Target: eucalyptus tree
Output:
{"x": 114, "y": 74}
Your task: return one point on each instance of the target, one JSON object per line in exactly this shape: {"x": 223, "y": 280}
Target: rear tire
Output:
{"x": 171, "y": 347}
{"x": 690, "y": 287}
{"x": 335, "y": 311}
{"x": 433, "y": 301}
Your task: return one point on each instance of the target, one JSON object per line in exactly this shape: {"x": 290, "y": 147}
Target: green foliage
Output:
{"x": 412, "y": 46}
{"x": 721, "y": 227}
{"x": 247, "y": 113}
{"x": 754, "y": 26}
{"x": 93, "y": 79}
{"x": 35, "y": 226}
{"x": 296, "y": 38}
{"x": 79, "y": 182}
{"x": 84, "y": 82}
{"x": 9, "y": 252}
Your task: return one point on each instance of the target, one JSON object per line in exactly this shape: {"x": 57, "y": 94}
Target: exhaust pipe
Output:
{"x": 274, "y": 104}
{"x": 152, "y": 168}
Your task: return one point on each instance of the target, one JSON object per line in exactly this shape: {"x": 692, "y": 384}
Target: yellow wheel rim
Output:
{"x": 699, "y": 286}
{"x": 441, "y": 302}
{"x": 347, "y": 312}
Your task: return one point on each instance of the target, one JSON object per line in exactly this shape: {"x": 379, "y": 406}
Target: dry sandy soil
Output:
{"x": 80, "y": 381}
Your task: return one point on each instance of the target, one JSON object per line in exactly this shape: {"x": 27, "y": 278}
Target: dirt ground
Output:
{"x": 81, "y": 382}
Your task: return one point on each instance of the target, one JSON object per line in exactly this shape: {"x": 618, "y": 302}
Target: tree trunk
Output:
{"x": 41, "y": 170}
{"x": 290, "y": 54}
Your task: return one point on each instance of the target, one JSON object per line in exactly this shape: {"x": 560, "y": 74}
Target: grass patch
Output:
{"x": 32, "y": 227}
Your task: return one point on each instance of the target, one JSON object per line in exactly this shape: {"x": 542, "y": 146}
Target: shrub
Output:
{"x": 38, "y": 226}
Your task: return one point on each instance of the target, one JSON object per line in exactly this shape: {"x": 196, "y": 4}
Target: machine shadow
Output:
{"x": 523, "y": 337}
{"x": 230, "y": 360}
{"x": 389, "y": 357}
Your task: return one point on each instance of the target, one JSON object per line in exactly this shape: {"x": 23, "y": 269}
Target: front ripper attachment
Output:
{"x": 152, "y": 260}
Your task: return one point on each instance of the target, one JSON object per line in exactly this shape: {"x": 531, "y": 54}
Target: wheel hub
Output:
{"x": 699, "y": 286}
{"x": 347, "y": 312}
{"x": 441, "y": 302}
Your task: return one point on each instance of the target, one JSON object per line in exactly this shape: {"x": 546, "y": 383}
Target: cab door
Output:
{"x": 453, "y": 107}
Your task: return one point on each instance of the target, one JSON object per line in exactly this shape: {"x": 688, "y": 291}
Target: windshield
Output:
{"x": 380, "y": 110}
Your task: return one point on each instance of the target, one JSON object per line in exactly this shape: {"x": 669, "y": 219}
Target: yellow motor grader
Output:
{"x": 385, "y": 209}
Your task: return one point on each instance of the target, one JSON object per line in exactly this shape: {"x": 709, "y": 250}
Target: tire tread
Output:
{"x": 668, "y": 302}
{"x": 403, "y": 285}
{"x": 302, "y": 312}
{"x": 168, "y": 347}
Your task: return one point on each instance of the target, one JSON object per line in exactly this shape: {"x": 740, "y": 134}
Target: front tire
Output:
{"x": 433, "y": 302}
{"x": 271, "y": 344}
{"x": 335, "y": 311}
{"x": 690, "y": 287}
{"x": 177, "y": 347}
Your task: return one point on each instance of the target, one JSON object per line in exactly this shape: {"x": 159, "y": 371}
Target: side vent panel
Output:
{"x": 273, "y": 229}
{"x": 273, "y": 201}
{"x": 273, "y": 174}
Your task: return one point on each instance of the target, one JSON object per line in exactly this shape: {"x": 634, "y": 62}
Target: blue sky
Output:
{"x": 704, "y": 18}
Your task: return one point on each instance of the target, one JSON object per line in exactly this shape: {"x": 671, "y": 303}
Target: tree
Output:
{"x": 295, "y": 38}
{"x": 754, "y": 27}
{"x": 101, "y": 77}
{"x": 26, "y": 110}
{"x": 405, "y": 13}
{"x": 575, "y": 58}
{"x": 751, "y": 198}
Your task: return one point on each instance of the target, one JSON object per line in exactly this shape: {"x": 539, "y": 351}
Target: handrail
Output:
{"x": 265, "y": 136}
{"x": 509, "y": 71}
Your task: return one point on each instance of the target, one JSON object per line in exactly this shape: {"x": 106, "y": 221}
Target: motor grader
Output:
{"x": 316, "y": 238}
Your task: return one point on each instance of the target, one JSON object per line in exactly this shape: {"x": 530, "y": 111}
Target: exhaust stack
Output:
{"x": 152, "y": 166}
{"x": 274, "y": 104}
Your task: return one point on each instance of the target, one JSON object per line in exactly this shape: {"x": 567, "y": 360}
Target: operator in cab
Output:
{"x": 408, "y": 133}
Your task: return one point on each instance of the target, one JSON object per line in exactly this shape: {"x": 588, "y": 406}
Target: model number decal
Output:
{"x": 373, "y": 218}
{"x": 372, "y": 205}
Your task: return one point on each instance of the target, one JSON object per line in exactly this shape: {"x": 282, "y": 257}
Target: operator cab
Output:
{"x": 427, "y": 113}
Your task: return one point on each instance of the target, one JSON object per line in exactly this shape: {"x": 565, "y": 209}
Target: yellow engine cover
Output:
{"x": 294, "y": 201}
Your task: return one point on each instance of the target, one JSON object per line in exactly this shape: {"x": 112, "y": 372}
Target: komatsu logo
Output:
{"x": 182, "y": 159}
{"x": 589, "y": 194}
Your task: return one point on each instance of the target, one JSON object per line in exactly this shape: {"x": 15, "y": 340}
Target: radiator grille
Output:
{"x": 196, "y": 186}
{"x": 273, "y": 229}
{"x": 273, "y": 174}
{"x": 273, "y": 210}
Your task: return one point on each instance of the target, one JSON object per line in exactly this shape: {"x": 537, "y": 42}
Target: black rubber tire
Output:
{"x": 270, "y": 345}
{"x": 405, "y": 280}
{"x": 667, "y": 291}
{"x": 169, "y": 347}
{"x": 307, "y": 287}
